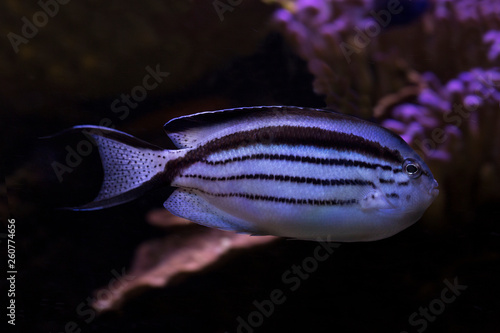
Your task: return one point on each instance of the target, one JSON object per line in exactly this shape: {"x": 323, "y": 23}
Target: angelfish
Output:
{"x": 273, "y": 170}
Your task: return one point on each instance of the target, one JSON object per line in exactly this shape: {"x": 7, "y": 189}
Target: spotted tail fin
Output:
{"x": 131, "y": 166}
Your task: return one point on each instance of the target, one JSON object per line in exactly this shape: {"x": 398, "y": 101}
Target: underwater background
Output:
{"x": 427, "y": 70}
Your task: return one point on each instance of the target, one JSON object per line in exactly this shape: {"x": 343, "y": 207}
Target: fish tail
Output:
{"x": 131, "y": 166}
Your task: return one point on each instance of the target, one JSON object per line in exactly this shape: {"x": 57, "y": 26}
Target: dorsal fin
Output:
{"x": 189, "y": 131}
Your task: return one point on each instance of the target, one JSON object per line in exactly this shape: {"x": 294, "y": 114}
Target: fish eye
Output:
{"x": 412, "y": 168}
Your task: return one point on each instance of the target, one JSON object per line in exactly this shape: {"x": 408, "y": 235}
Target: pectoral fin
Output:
{"x": 375, "y": 199}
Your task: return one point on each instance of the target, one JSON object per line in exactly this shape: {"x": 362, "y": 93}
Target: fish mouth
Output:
{"x": 433, "y": 191}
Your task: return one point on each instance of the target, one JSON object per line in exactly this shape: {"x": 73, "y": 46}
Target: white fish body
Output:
{"x": 284, "y": 171}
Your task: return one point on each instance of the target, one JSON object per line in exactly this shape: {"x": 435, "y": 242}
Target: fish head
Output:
{"x": 415, "y": 190}
{"x": 422, "y": 187}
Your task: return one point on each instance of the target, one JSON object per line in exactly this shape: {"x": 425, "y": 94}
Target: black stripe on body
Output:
{"x": 301, "y": 159}
{"x": 284, "y": 135}
{"x": 285, "y": 178}
{"x": 291, "y": 201}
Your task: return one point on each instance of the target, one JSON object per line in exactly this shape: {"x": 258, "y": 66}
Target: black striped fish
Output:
{"x": 273, "y": 170}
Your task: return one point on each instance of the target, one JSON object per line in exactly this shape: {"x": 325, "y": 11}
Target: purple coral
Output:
{"x": 365, "y": 65}
{"x": 455, "y": 128}
{"x": 446, "y": 115}
{"x": 493, "y": 37}
{"x": 357, "y": 61}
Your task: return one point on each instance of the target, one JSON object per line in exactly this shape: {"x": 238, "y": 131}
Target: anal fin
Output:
{"x": 189, "y": 205}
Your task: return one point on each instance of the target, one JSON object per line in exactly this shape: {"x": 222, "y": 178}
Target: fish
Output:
{"x": 286, "y": 171}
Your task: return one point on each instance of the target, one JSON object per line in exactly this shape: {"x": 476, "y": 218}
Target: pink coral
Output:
{"x": 189, "y": 249}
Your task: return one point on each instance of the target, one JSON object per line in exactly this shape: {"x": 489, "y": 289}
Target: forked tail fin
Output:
{"x": 131, "y": 166}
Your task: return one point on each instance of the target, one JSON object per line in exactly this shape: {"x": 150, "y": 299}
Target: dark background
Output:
{"x": 70, "y": 73}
